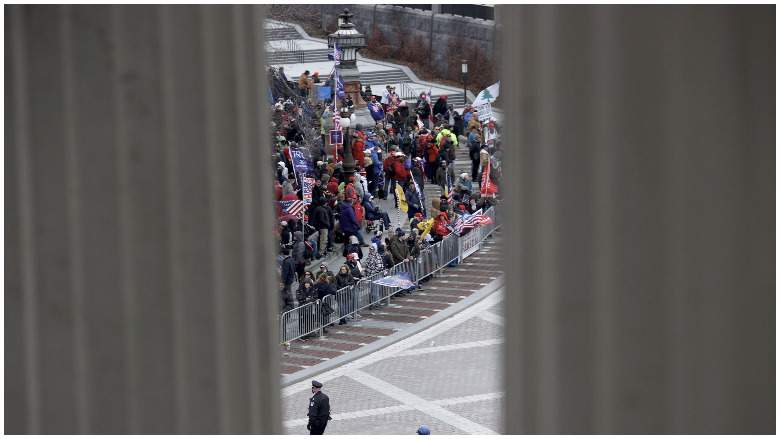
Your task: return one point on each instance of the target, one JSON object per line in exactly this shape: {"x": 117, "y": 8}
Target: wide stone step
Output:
{"x": 282, "y": 33}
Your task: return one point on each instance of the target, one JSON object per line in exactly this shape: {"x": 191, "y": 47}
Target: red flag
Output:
{"x": 487, "y": 188}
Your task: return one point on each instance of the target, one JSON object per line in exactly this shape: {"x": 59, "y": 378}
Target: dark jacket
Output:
{"x": 323, "y": 289}
{"x": 413, "y": 201}
{"x": 398, "y": 249}
{"x": 347, "y": 219}
{"x": 319, "y": 410}
{"x": 422, "y": 109}
{"x": 414, "y": 248}
{"x": 387, "y": 260}
{"x": 320, "y": 218}
{"x": 288, "y": 270}
{"x": 344, "y": 280}
{"x": 440, "y": 107}
{"x": 299, "y": 248}
{"x": 304, "y": 294}
{"x": 353, "y": 270}
{"x": 352, "y": 248}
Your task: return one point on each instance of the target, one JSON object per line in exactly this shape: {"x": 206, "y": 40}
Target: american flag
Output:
{"x": 449, "y": 189}
{"x": 292, "y": 207}
{"x": 308, "y": 188}
{"x": 465, "y": 222}
{"x": 336, "y": 55}
{"x": 483, "y": 220}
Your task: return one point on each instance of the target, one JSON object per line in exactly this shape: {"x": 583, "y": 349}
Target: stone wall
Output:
{"x": 435, "y": 30}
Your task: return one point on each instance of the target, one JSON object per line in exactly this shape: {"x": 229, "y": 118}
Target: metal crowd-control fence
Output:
{"x": 332, "y": 306}
{"x": 308, "y": 318}
{"x": 301, "y": 321}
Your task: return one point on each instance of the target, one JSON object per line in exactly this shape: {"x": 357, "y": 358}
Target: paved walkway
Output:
{"x": 452, "y": 286}
{"x": 447, "y": 377}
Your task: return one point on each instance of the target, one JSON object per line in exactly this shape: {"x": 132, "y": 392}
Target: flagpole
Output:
{"x": 335, "y": 93}
{"x": 303, "y": 214}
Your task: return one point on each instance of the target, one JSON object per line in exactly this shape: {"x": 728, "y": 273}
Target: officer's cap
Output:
{"x": 316, "y": 384}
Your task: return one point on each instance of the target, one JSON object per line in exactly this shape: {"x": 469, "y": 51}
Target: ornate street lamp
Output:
{"x": 349, "y": 41}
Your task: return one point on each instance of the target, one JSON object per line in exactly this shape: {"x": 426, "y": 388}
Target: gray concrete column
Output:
{"x": 641, "y": 271}
{"x": 140, "y": 293}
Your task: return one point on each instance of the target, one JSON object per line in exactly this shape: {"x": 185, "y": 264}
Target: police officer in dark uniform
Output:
{"x": 319, "y": 409}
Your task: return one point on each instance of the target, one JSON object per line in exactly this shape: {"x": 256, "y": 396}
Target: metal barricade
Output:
{"x": 330, "y": 303}
{"x": 345, "y": 302}
{"x": 301, "y": 321}
{"x": 368, "y": 293}
{"x": 308, "y": 318}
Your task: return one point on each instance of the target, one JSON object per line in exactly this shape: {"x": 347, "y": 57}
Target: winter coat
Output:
{"x": 398, "y": 249}
{"x": 319, "y": 218}
{"x": 305, "y": 294}
{"x": 423, "y": 109}
{"x": 445, "y": 133}
{"x": 374, "y": 262}
{"x": 473, "y": 123}
{"x": 433, "y": 152}
{"x": 323, "y": 289}
{"x": 347, "y": 220}
{"x": 440, "y": 107}
{"x": 352, "y": 248}
{"x": 400, "y": 173}
{"x": 344, "y": 280}
{"x": 299, "y": 248}
{"x": 414, "y": 248}
{"x": 413, "y": 200}
{"x": 441, "y": 176}
{"x": 288, "y": 270}
{"x": 358, "y": 147}
{"x": 387, "y": 260}
{"x": 354, "y": 269}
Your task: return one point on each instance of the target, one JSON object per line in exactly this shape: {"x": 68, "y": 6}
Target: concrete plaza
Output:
{"x": 447, "y": 377}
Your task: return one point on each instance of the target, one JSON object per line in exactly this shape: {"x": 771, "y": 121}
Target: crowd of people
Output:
{"x": 408, "y": 147}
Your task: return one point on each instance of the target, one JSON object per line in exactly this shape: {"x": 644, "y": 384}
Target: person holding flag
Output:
{"x": 423, "y": 110}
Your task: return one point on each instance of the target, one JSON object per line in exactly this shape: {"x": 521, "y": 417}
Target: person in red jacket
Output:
{"x": 431, "y": 160}
{"x": 358, "y": 145}
{"x": 400, "y": 173}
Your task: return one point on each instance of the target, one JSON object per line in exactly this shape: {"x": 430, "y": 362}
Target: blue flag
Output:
{"x": 377, "y": 113}
{"x": 301, "y": 164}
{"x": 339, "y": 84}
{"x": 325, "y": 93}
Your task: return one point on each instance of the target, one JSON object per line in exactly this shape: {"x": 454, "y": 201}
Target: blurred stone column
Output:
{"x": 641, "y": 293}
{"x": 140, "y": 293}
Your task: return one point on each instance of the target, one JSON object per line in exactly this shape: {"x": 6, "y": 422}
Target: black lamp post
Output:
{"x": 349, "y": 161}
{"x": 464, "y": 71}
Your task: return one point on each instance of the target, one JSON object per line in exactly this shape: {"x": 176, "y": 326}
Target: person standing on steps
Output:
{"x": 319, "y": 410}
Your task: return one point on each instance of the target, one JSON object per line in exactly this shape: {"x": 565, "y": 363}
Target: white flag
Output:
{"x": 487, "y": 95}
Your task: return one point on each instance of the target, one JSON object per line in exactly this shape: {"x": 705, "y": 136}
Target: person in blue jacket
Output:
{"x": 348, "y": 222}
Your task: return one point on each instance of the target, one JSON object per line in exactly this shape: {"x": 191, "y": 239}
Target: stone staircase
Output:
{"x": 462, "y": 164}
{"x": 276, "y": 31}
{"x": 297, "y": 56}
